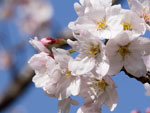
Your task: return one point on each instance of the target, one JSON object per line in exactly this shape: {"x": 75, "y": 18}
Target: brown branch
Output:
{"x": 142, "y": 79}
{"x": 16, "y": 88}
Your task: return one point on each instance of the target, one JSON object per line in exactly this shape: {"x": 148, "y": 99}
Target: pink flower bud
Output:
{"x": 47, "y": 41}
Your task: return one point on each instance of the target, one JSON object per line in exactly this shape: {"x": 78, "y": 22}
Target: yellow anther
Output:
{"x": 146, "y": 15}
{"x": 99, "y": 85}
{"x": 126, "y": 25}
{"x": 94, "y": 50}
{"x": 102, "y": 84}
{"x": 68, "y": 73}
{"x": 123, "y": 51}
{"x": 100, "y": 25}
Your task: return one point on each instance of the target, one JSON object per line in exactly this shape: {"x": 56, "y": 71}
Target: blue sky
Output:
{"x": 130, "y": 91}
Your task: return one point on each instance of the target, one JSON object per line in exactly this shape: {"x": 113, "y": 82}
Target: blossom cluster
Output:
{"x": 108, "y": 41}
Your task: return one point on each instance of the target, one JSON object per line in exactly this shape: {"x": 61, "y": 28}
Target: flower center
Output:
{"x": 94, "y": 50}
{"x": 101, "y": 24}
{"x": 126, "y": 25}
{"x": 146, "y": 15}
{"x": 123, "y": 51}
{"x": 66, "y": 72}
{"x": 99, "y": 85}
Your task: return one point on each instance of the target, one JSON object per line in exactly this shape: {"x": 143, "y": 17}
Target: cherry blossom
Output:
{"x": 129, "y": 24}
{"x": 101, "y": 22}
{"x": 127, "y": 51}
{"x": 92, "y": 55}
{"x": 142, "y": 8}
{"x": 107, "y": 40}
{"x": 99, "y": 90}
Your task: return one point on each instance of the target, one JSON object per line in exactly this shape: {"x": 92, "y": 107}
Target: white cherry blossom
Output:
{"x": 92, "y": 55}
{"x": 142, "y": 8}
{"x": 98, "y": 91}
{"x": 132, "y": 23}
{"x": 127, "y": 51}
{"x": 40, "y": 64}
{"x": 102, "y": 22}
{"x": 85, "y": 5}
{"x": 53, "y": 75}
{"x": 88, "y": 74}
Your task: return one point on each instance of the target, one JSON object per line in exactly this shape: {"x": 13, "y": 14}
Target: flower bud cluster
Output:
{"x": 107, "y": 40}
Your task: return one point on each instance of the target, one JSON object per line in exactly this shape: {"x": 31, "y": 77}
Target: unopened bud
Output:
{"x": 47, "y": 41}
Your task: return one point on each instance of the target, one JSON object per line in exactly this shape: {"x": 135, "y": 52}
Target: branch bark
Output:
{"x": 16, "y": 88}
{"x": 142, "y": 79}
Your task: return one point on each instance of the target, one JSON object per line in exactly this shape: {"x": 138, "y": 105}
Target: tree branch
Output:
{"x": 16, "y": 88}
{"x": 142, "y": 79}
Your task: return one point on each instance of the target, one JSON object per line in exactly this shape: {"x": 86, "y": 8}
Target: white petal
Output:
{"x": 89, "y": 108}
{"x": 75, "y": 86}
{"x": 116, "y": 64}
{"x": 79, "y": 9}
{"x": 112, "y": 98}
{"x": 136, "y": 6}
{"x": 102, "y": 68}
{"x": 61, "y": 56}
{"x": 38, "y": 45}
{"x": 113, "y": 10}
{"x": 142, "y": 45}
{"x": 134, "y": 64}
{"x": 64, "y": 106}
{"x": 40, "y": 81}
{"x": 74, "y": 44}
{"x": 147, "y": 62}
{"x": 79, "y": 67}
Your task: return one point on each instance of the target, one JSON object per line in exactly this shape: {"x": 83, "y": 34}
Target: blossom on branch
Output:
{"x": 107, "y": 39}
{"x": 127, "y": 51}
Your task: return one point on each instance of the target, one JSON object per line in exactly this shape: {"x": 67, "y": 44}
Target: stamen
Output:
{"x": 101, "y": 25}
{"x": 146, "y": 15}
{"x": 68, "y": 73}
{"x": 126, "y": 25}
{"x": 99, "y": 85}
{"x": 94, "y": 50}
{"x": 123, "y": 51}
